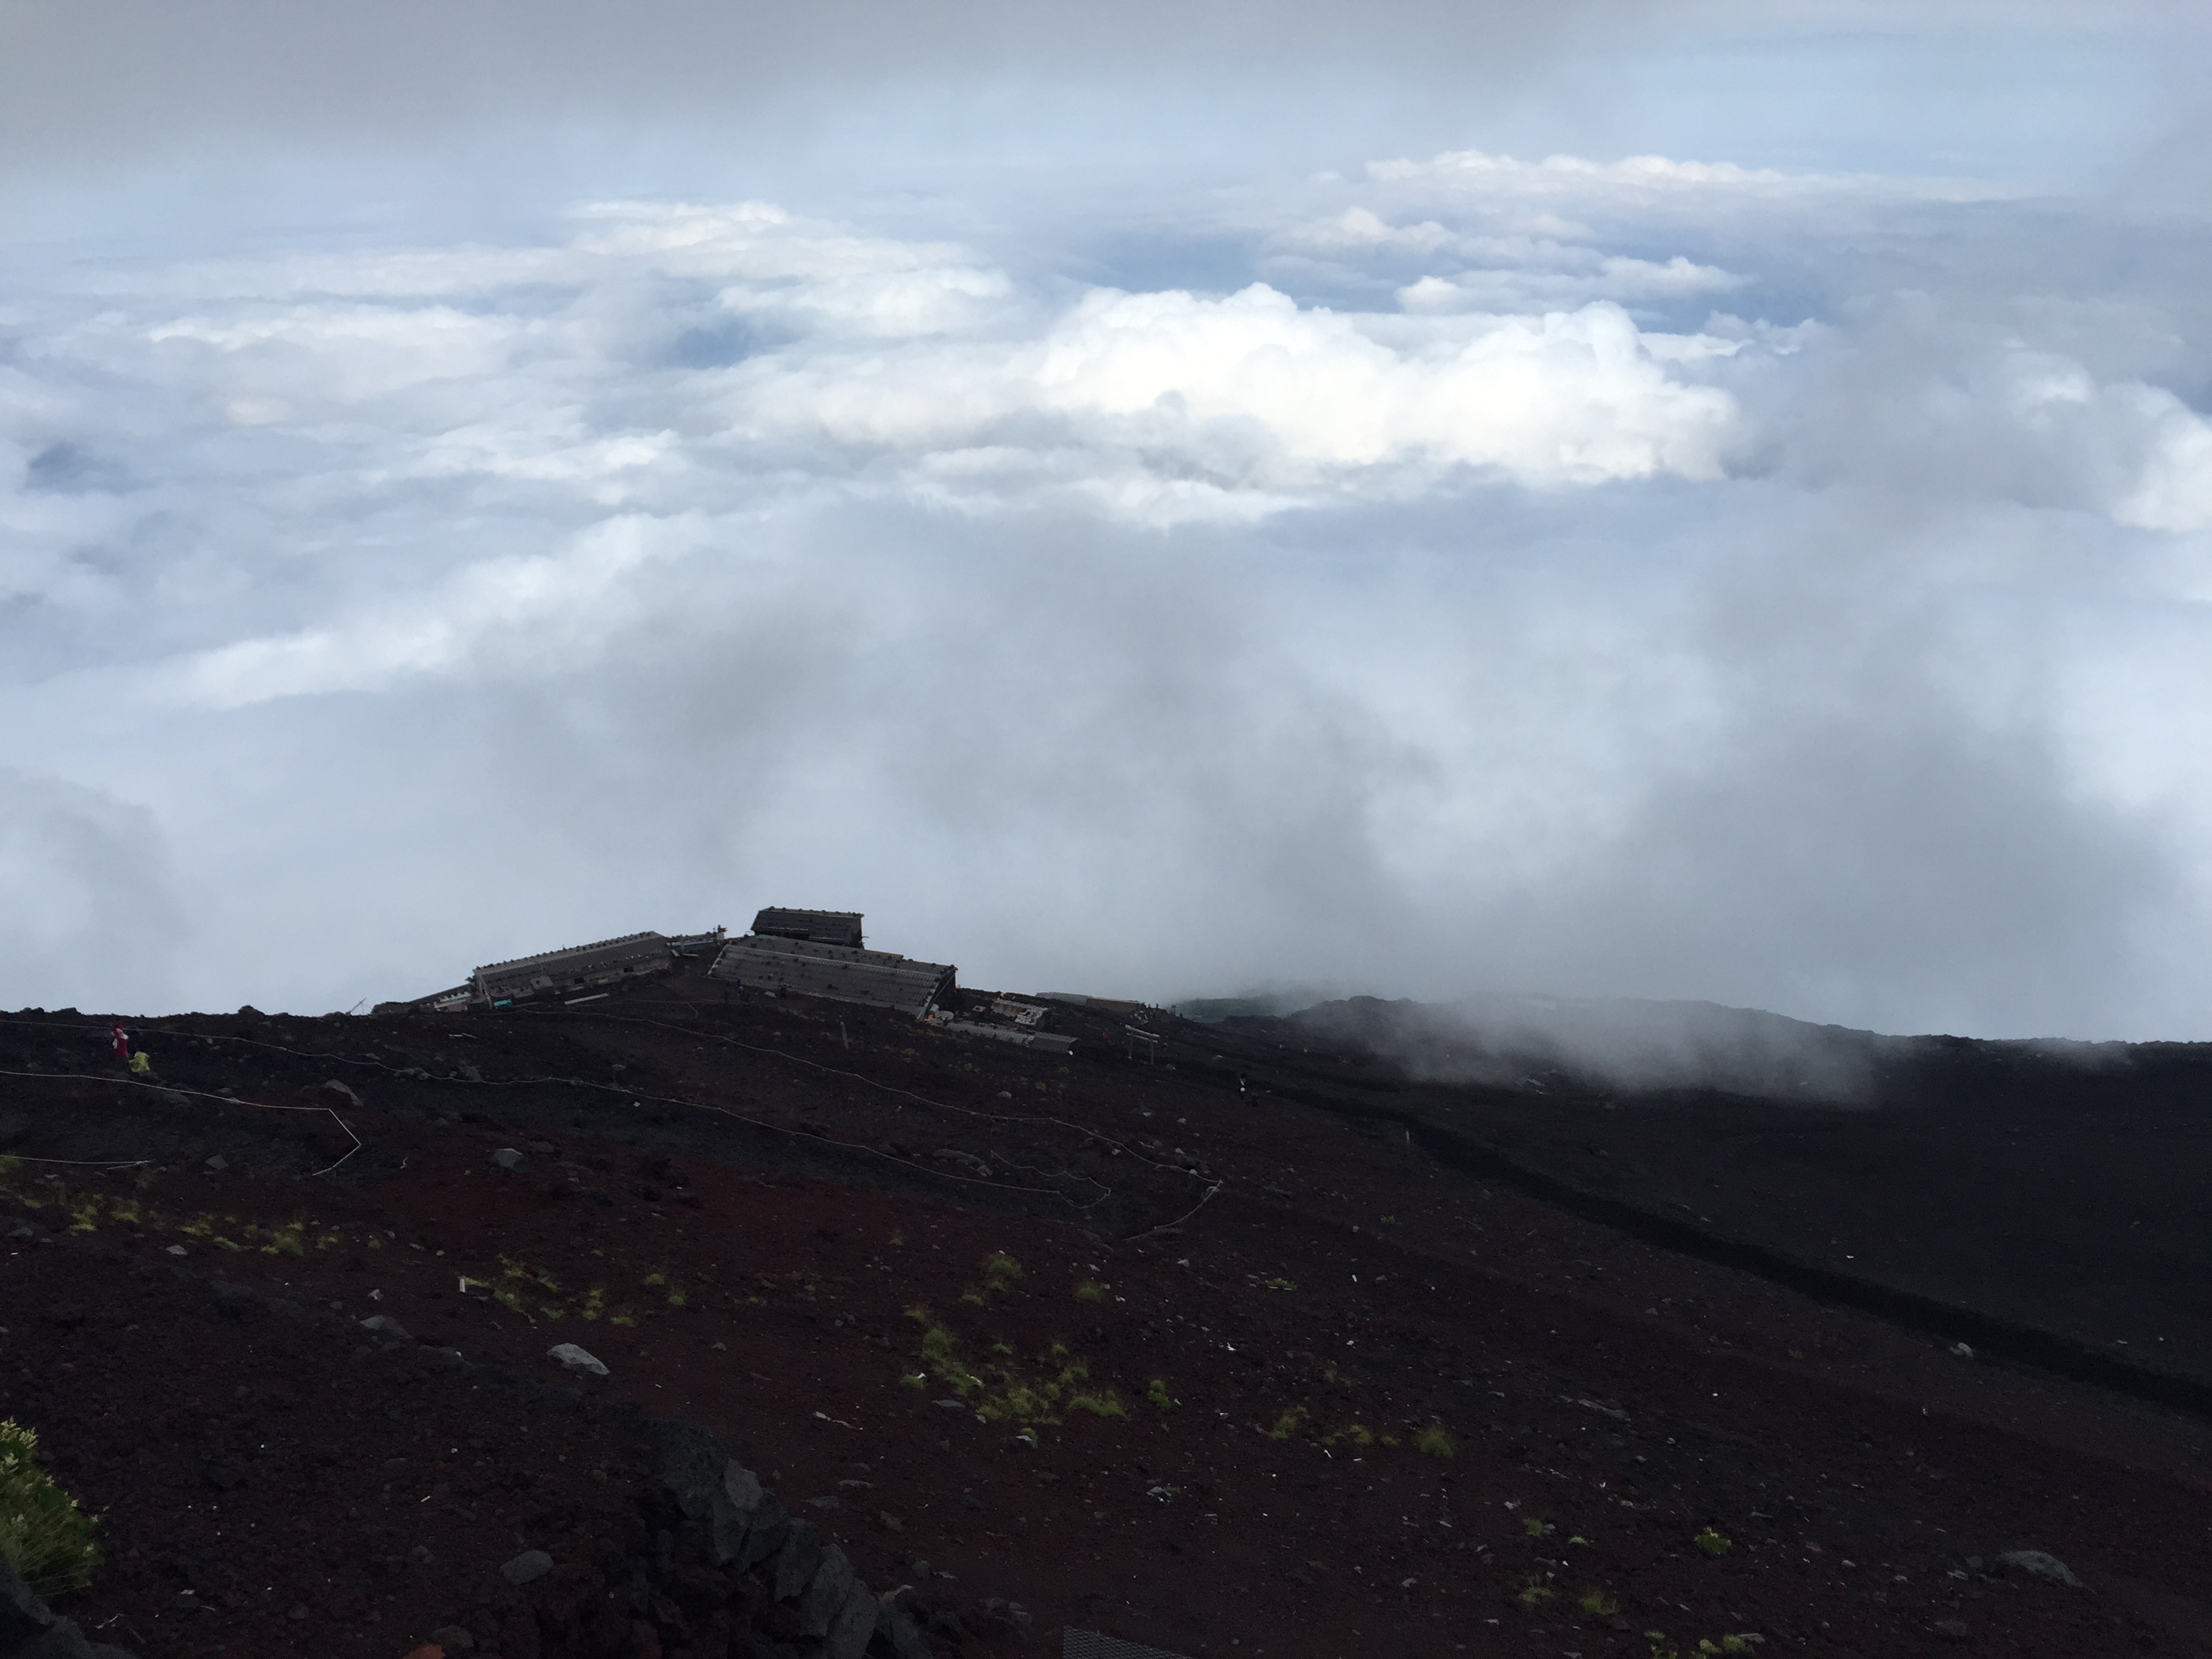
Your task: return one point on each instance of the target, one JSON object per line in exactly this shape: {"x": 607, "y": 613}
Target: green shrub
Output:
{"x": 1436, "y": 1441}
{"x": 1711, "y": 1543}
{"x": 44, "y": 1536}
{"x": 1089, "y": 1290}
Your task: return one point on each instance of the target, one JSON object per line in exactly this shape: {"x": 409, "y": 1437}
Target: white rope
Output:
{"x": 202, "y": 1094}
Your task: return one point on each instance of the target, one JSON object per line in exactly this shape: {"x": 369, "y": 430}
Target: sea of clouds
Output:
{"x": 1452, "y": 573}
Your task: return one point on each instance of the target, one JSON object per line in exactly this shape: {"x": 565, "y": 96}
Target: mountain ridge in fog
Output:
{"x": 1633, "y": 1044}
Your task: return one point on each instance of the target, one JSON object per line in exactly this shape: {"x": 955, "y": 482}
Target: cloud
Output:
{"x": 94, "y": 910}
{"x": 1449, "y": 598}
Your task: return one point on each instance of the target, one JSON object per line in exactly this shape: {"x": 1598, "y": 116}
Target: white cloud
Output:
{"x": 2174, "y": 491}
{"x": 1656, "y": 177}
{"x": 1432, "y": 593}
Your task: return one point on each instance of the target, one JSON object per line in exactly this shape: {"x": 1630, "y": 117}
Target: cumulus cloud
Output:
{"x": 1638, "y": 578}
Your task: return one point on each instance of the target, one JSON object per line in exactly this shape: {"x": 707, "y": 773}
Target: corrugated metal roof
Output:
{"x": 553, "y": 970}
{"x": 840, "y": 973}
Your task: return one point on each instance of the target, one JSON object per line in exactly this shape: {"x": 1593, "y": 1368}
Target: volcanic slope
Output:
{"x": 1258, "y": 1370}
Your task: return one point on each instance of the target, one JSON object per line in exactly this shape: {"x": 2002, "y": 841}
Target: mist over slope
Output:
{"x": 1629, "y": 1043}
{"x": 1642, "y": 1045}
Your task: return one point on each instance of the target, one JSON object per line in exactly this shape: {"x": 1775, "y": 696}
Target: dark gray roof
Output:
{"x": 579, "y": 964}
{"x": 822, "y": 926}
{"x": 841, "y": 973}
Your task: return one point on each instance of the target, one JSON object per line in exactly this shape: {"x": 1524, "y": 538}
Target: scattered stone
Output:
{"x": 218, "y": 1162}
{"x": 1962, "y": 1351}
{"x": 576, "y": 1360}
{"x": 527, "y": 1567}
{"x": 334, "y": 1087}
{"x": 179, "y": 1250}
{"x": 174, "y": 1096}
{"x": 507, "y": 1159}
{"x": 821, "y": 1503}
{"x": 2038, "y": 1564}
{"x": 387, "y": 1324}
{"x": 451, "y": 1639}
{"x": 1952, "y": 1630}
{"x": 952, "y": 1405}
{"x": 542, "y": 1148}
{"x": 470, "y": 1074}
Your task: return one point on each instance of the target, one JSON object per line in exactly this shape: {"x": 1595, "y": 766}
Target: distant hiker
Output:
{"x": 121, "y": 1039}
{"x": 141, "y": 1064}
{"x": 1241, "y": 1090}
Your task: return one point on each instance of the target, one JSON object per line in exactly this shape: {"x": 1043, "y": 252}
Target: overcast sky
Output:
{"x": 1670, "y": 501}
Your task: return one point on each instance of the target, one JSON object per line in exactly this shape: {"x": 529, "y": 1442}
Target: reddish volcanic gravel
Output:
{"x": 1355, "y": 1405}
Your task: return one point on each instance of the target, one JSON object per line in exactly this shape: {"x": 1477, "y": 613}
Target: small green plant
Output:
{"x": 1711, "y": 1543}
{"x": 1157, "y": 1392}
{"x": 1280, "y": 1284}
{"x": 1000, "y": 1271}
{"x": 1535, "y": 1593}
{"x": 1089, "y": 1290}
{"x": 1288, "y": 1424}
{"x": 1599, "y": 1605}
{"x": 1532, "y": 1526}
{"x": 1436, "y": 1441}
{"x": 44, "y": 1536}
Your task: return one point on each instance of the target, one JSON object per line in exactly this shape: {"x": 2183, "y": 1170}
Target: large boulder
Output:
{"x": 824, "y": 1598}
{"x": 743, "y": 1524}
{"x": 795, "y": 1563}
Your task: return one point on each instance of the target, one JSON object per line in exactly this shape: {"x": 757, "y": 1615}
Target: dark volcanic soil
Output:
{"x": 1257, "y": 1373}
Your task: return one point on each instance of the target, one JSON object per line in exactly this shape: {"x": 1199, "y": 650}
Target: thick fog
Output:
{"x": 1134, "y": 507}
